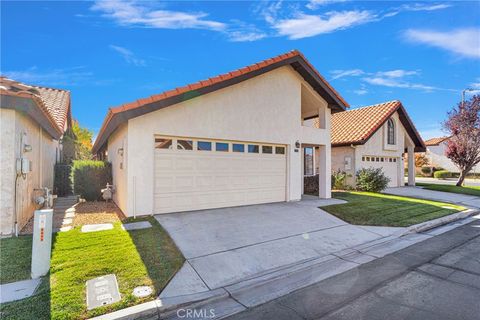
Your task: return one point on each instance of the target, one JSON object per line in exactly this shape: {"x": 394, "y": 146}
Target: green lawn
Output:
{"x": 140, "y": 257}
{"x": 474, "y": 191}
{"x": 376, "y": 209}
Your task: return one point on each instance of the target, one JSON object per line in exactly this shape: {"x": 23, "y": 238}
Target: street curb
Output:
{"x": 427, "y": 225}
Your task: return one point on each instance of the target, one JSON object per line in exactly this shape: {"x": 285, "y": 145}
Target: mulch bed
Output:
{"x": 86, "y": 213}
{"x": 97, "y": 212}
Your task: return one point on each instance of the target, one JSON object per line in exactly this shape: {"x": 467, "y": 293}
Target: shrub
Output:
{"x": 371, "y": 179}
{"x": 63, "y": 183}
{"x": 442, "y": 174}
{"x": 426, "y": 171}
{"x": 339, "y": 179}
{"x": 89, "y": 177}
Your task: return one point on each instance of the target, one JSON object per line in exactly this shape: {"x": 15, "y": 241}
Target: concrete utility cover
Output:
{"x": 137, "y": 225}
{"x": 102, "y": 291}
{"x": 97, "y": 227}
{"x": 142, "y": 291}
{"x": 18, "y": 290}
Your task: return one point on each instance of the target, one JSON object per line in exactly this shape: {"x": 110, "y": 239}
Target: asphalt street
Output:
{"x": 436, "y": 279}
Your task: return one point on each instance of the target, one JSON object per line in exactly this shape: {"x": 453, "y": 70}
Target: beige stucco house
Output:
{"x": 435, "y": 153}
{"x": 375, "y": 136}
{"x": 32, "y": 122}
{"x": 234, "y": 139}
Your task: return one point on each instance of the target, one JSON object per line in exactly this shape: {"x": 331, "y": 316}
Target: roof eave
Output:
{"x": 298, "y": 62}
{"x": 30, "y": 107}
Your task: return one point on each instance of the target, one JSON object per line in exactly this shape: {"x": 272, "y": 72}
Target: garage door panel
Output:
{"x": 196, "y": 180}
{"x": 389, "y": 168}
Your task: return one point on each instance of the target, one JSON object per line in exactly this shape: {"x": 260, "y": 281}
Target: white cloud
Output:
{"x": 315, "y": 4}
{"x": 361, "y": 92}
{"x": 475, "y": 85}
{"x": 464, "y": 42}
{"x": 425, "y": 7}
{"x": 56, "y": 77}
{"x": 304, "y": 25}
{"x": 337, "y": 74}
{"x": 128, "y": 56}
{"x": 243, "y": 32}
{"x": 134, "y": 13}
{"x": 392, "y": 78}
{"x": 399, "y": 73}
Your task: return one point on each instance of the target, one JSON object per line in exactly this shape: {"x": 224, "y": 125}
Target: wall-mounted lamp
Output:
{"x": 297, "y": 144}
{"x": 120, "y": 152}
{"x": 27, "y": 148}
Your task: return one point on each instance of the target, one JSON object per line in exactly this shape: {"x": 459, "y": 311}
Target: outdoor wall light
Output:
{"x": 27, "y": 148}
{"x": 297, "y": 144}
{"x": 120, "y": 152}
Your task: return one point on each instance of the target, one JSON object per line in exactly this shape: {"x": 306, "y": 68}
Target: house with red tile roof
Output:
{"x": 233, "y": 139}
{"x": 376, "y": 136}
{"x": 435, "y": 153}
{"x": 33, "y": 120}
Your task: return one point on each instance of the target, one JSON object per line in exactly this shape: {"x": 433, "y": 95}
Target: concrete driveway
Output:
{"x": 418, "y": 192}
{"x": 224, "y": 246}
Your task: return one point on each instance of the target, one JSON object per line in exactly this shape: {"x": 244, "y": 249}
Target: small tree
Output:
{"x": 463, "y": 124}
{"x": 421, "y": 160}
{"x": 77, "y": 143}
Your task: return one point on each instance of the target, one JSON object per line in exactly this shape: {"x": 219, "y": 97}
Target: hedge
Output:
{"x": 371, "y": 180}
{"x": 89, "y": 177}
{"x": 442, "y": 174}
{"x": 63, "y": 183}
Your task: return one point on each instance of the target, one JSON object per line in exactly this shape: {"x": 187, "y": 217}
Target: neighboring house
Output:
{"x": 435, "y": 153}
{"x": 234, "y": 139}
{"x": 32, "y": 122}
{"x": 375, "y": 136}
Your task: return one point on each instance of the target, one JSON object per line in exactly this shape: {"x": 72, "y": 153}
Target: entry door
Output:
{"x": 195, "y": 174}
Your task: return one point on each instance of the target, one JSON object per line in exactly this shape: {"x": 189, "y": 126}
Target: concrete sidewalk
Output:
{"x": 418, "y": 192}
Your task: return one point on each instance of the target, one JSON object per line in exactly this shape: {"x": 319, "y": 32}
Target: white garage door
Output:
{"x": 195, "y": 174}
{"x": 389, "y": 166}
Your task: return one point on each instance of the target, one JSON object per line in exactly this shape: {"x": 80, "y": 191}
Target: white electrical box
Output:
{"x": 24, "y": 166}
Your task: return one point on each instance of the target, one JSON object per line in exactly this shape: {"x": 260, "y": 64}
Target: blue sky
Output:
{"x": 111, "y": 52}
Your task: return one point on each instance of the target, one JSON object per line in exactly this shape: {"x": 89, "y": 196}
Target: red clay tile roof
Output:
{"x": 435, "y": 141}
{"x": 354, "y": 126}
{"x": 358, "y": 125}
{"x": 55, "y": 103}
{"x": 294, "y": 58}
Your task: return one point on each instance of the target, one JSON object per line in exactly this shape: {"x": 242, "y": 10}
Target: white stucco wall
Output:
{"x": 436, "y": 156}
{"x": 42, "y": 157}
{"x": 117, "y": 141}
{"x": 266, "y": 108}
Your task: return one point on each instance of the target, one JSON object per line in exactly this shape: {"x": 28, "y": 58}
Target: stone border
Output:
{"x": 430, "y": 224}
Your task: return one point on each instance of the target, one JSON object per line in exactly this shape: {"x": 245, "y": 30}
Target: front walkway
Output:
{"x": 226, "y": 246}
{"x": 418, "y": 192}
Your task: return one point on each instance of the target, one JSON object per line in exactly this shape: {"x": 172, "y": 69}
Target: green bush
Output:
{"x": 371, "y": 179}
{"x": 339, "y": 179}
{"x": 442, "y": 174}
{"x": 426, "y": 171}
{"x": 89, "y": 177}
{"x": 63, "y": 183}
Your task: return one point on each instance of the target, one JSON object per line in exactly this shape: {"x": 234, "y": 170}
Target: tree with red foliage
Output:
{"x": 463, "y": 125}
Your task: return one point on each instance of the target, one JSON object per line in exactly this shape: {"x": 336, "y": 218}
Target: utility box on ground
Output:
{"x": 42, "y": 242}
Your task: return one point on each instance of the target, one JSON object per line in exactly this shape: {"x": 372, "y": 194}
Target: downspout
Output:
{"x": 18, "y": 174}
{"x": 354, "y": 164}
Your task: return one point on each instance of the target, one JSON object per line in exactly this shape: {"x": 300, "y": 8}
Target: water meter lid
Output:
{"x": 142, "y": 291}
